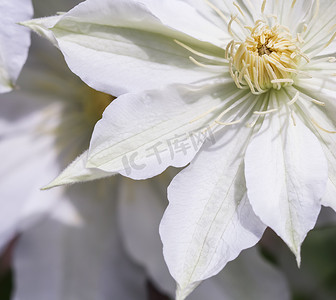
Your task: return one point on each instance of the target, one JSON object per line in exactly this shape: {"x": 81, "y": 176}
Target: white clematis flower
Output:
{"x": 14, "y": 40}
{"x": 248, "y": 88}
{"x": 80, "y": 242}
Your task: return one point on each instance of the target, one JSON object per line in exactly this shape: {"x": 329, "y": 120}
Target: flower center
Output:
{"x": 269, "y": 58}
{"x": 94, "y": 105}
{"x": 77, "y": 119}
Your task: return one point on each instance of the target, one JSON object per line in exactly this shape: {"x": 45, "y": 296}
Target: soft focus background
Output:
{"x": 41, "y": 8}
{"x": 315, "y": 280}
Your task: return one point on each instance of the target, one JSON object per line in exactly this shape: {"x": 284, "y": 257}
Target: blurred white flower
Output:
{"x": 255, "y": 84}
{"x": 80, "y": 242}
{"x": 14, "y": 40}
{"x": 75, "y": 250}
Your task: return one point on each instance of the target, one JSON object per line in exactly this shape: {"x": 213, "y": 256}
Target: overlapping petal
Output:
{"x": 185, "y": 18}
{"x": 323, "y": 124}
{"x": 248, "y": 277}
{"x": 286, "y": 174}
{"x": 121, "y": 46}
{"x": 24, "y": 150}
{"x": 209, "y": 219}
{"x": 162, "y": 129}
{"x": 322, "y": 118}
{"x": 140, "y": 135}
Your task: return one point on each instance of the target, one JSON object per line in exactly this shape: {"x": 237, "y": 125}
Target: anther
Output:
{"x": 268, "y": 58}
{"x": 318, "y": 102}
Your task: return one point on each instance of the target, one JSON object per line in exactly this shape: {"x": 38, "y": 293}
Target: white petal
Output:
{"x": 76, "y": 253}
{"x": 185, "y": 18}
{"x": 320, "y": 28}
{"x": 14, "y": 40}
{"x": 141, "y": 206}
{"x": 324, "y": 118}
{"x": 140, "y": 135}
{"x": 120, "y": 46}
{"x": 294, "y": 14}
{"x": 286, "y": 175}
{"x": 28, "y": 159}
{"x": 42, "y": 27}
{"x": 288, "y": 12}
{"x": 321, "y": 88}
{"x": 251, "y": 11}
{"x": 209, "y": 219}
{"x": 22, "y": 175}
{"x": 77, "y": 172}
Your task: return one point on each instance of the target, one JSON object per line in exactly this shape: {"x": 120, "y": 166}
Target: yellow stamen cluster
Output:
{"x": 268, "y": 58}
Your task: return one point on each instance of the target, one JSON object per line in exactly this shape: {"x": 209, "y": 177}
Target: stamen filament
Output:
{"x": 209, "y": 57}
{"x": 204, "y": 114}
{"x": 263, "y": 6}
{"x": 235, "y": 104}
{"x": 211, "y": 67}
{"x": 331, "y": 40}
{"x": 230, "y": 27}
{"x": 293, "y": 118}
{"x": 228, "y": 123}
{"x": 265, "y": 112}
{"x": 317, "y": 8}
{"x": 295, "y": 98}
{"x": 283, "y": 80}
{"x": 320, "y": 127}
{"x": 307, "y": 114}
{"x": 239, "y": 8}
{"x": 255, "y": 117}
{"x": 217, "y": 10}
